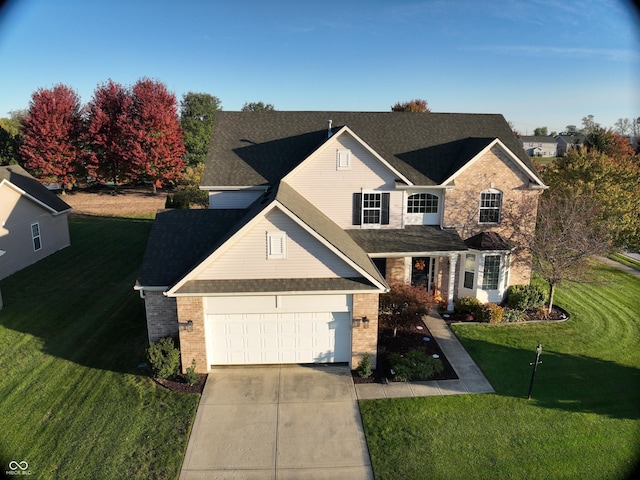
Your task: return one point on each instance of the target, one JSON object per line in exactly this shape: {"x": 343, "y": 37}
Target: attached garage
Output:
{"x": 278, "y": 329}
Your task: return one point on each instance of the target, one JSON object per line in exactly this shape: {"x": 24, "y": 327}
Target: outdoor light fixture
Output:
{"x": 188, "y": 326}
{"x": 535, "y": 367}
{"x": 365, "y": 322}
{"x": 355, "y": 323}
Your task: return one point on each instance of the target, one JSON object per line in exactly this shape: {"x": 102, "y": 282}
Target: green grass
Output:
{"x": 628, "y": 261}
{"x": 72, "y": 332}
{"x": 582, "y": 422}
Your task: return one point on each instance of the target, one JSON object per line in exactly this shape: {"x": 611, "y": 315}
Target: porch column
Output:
{"x": 453, "y": 261}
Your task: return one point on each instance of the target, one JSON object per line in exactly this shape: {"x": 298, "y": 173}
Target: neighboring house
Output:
{"x": 33, "y": 220}
{"x": 568, "y": 142}
{"x": 314, "y": 214}
{"x": 539, "y": 146}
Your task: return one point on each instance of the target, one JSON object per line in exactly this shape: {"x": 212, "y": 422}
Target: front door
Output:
{"x": 423, "y": 272}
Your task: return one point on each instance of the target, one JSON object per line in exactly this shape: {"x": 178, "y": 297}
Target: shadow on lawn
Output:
{"x": 80, "y": 301}
{"x": 575, "y": 383}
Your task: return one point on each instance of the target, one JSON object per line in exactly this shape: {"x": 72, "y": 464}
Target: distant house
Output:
{"x": 540, "y": 146}
{"x": 33, "y": 220}
{"x": 569, "y": 142}
{"x": 313, "y": 215}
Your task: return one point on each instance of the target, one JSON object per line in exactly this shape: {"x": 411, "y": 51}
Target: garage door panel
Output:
{"x": 315, "y": 337}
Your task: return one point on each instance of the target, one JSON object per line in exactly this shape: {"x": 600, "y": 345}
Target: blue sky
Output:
{"x": 537, "y": 62}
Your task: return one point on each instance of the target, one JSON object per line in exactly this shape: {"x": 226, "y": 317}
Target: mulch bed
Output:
{"x": 408, "y": 337}
{"x": 179, "y": 384}
{"x": 535, "y": 315}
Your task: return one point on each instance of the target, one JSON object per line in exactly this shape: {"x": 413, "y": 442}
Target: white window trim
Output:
{"x": 501, "y": 266}
{"x": 437, "y": 197}
{"x": 276, "y": 245}
{"x": 481, "y": 208}
{"x": 343, "y": 159}
{"x": 362, "y": 209}
{"x": 34, "y": 237}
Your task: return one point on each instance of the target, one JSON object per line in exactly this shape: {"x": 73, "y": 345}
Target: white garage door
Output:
{"x": 283, "y": 337}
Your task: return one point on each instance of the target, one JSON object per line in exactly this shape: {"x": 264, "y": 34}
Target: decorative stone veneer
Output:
{"x": 162, "y": 316}
{"x": 365, "y": 340}
{"x": 192, "y": 344}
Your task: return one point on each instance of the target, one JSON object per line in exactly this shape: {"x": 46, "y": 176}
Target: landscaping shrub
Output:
{"x": 364, "y": 367}
{"x": 404, "y": 302}
{"x": 522, "y": 297}
{"x": 511, "y": 315}
{"x": 492, "y": 313}
{"x": 414, "y": 365}
{"x": 468, "y": 305}
{"x": 191, "y": 376}
{"x": 164, "y": 358}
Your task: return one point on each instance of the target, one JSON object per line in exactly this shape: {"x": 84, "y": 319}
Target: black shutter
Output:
{"x": 357, "y": 209}
{"x": 384, "y": 218}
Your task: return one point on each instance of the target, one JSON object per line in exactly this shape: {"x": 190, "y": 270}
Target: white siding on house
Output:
{"x": 231, "y": 199}
{"x": 247, "y": 258}
{"x": 423, "y": 218}
{"x": 331, "y": 188}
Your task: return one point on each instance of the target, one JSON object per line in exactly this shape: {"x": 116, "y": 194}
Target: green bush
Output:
{"x": 164, "y": 358}
{"x": 414, "y": 365}
{"x": 191, "y": 376}
{"x": 522, "y": 297}
{"x": 364, "y": 367}
{"x": 468, "y": 305}
{"x": 492, "y": 313}
{"x": 511, "y": 315}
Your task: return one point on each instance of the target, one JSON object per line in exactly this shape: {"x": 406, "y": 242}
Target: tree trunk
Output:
{"x": 552, "y": 290}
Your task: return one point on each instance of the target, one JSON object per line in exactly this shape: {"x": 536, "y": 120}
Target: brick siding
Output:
{"x": 192, "y": 344}
{"x": 162, "y": 316}
{"x": 365, "y": 340}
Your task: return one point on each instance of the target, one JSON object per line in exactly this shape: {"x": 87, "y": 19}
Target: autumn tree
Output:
{"x": 416, "y": 105}
{"x": 258, "y": 107}
{"x": 51, "y": 133}
{"x": 111, "y": 134}
{"x": 159, "y": 143}
{"x": 610, "y": 143}
{"x": 197, "y": 114}
{"x": 611, "y": 182}
{"x": 566, "y": 237}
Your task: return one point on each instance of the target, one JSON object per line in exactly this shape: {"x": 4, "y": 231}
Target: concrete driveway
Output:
{"x": 278, "y": 422}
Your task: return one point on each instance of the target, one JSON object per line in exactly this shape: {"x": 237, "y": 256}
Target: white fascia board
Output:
{"x": 220, "y": 250}
{"x": 334, "y": 139}
{"x": 53, "y": 211}
{"x": 280, "y": 293}
{"x": 330, "y": 246}
{"x": 514, "y": 157}
{"x": 422, "y": 187}
{"x": 444, "y": 253}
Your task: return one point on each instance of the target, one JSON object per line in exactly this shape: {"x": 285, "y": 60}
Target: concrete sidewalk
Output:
{"x": 470, "y": 377}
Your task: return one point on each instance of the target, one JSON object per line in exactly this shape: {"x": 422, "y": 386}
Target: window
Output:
{"x": 35, "y": 236}
{"x": 422, "y": 203}
{"x": 469, "y": 270}
{"x": 491, "y": 272}
{"x": 276, "y": 245}
{"x": 371, "y": 208}
{"x": 343, "y": 160}
{"x": 490, "y": 203}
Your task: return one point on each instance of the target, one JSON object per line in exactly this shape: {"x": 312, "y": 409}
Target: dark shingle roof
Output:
{"x": 260, "y": 148}
{"x": 413, "y": 238}
{"x": 488, "y": 241}
{"x": 21, "y": 179}
{"x": 180, "y": 239}
{"x": 275, "y": 285}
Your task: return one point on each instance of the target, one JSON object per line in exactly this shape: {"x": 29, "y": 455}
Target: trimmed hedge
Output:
{"x": 522, "y": 297}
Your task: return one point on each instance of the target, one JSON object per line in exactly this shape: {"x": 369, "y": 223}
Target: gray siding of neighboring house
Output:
{"x": 17, "y": 215}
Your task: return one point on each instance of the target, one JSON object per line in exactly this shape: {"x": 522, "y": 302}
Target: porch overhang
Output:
{"x": 413, "y": 240}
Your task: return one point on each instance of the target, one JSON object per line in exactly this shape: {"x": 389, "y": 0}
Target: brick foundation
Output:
{"x": 192, "y": 344}
{"x": 162, "y": 316}
{"x": 365, "y": 340}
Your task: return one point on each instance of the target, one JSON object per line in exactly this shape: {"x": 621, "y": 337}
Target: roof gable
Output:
{"x": 20, "y": 180}
{"x": 261, "y": 148}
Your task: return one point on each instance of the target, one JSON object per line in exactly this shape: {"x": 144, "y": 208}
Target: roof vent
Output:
{"x": 329, "y": 133}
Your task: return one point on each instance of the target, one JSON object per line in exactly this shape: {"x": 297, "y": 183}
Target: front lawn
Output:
{"x": 582, "y": 422}
{"x": 73, "y": 402}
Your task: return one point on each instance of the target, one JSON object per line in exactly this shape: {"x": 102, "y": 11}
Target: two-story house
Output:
{"x": 314, "y": 214}
{"x": 539, "y": 146}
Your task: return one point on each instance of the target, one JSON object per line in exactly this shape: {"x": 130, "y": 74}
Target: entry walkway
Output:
{"x": 470, "y": 377}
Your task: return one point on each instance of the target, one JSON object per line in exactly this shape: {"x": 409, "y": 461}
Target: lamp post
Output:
{"x": 535, "y": 367}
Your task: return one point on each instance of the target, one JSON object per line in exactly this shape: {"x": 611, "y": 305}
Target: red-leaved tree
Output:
{"x": 111, "y": 134}
{"x": 51, "y": 136}
{"x": 159, "y": 148}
